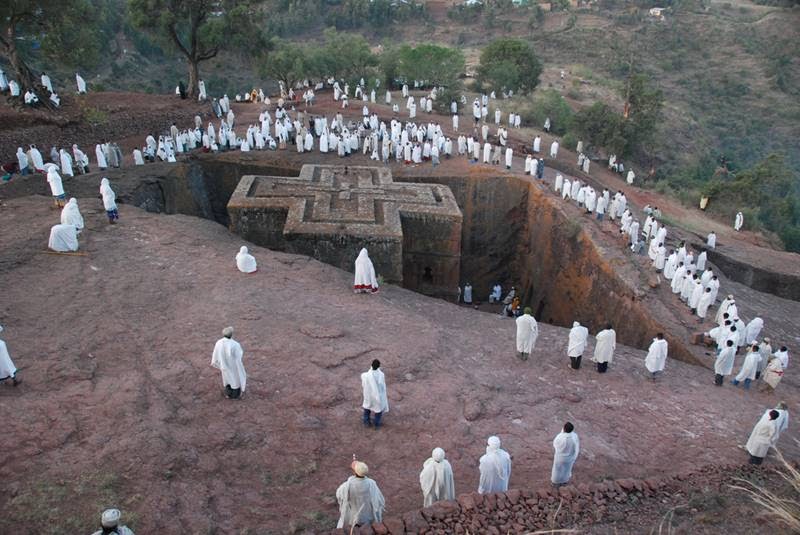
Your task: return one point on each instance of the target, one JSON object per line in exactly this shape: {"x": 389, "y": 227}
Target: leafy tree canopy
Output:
{"x": 509, "y": 64}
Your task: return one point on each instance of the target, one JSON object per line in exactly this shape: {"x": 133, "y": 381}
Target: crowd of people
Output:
{"x": 417, "y": 142}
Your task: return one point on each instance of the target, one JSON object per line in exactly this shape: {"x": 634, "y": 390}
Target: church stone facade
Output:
{"x": 329, "y": 212}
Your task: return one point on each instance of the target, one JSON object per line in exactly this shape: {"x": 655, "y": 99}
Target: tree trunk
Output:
{"x": 194, "y": 77}
{"x": 24, "y": 76}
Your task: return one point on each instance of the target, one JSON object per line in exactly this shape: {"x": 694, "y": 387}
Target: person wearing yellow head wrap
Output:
{"x": 360, "y": 499}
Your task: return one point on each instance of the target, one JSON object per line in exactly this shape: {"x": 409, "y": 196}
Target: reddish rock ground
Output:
{"x": 119, "y": 404}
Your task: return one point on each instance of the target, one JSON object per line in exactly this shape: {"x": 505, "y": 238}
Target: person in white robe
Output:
{"x": 495, "y": 468}
{"x": 227, "y": 358}
{"x": 245, "y": 262}
{"x": 723, "y": 365}
{"x": 110, "y": 524}
{"x": 633, "y": 232}
{"x": 66, "y": 163}
{"x": 773, "y": 373}
{"x": 762, "y": 437}
{"x": 554, "y": 149}
{"x": 13, "y": 88}
{"x": 747, "y": 373}
{"x": 487, "y": 152}
{"x": 468, "y": 294}
{"x": 23, "y": 162}
{"x": 138, "y": 159}
{"x": 527, "y": 333}
{"x": 578, "y": 335}
{"x": 109, "y": 201}
{"x": 696, "y": 293}
{"x": 566, "y": 447}
{"x": 7, "y": 368}
{"x": 781, "y": 423}
{"x": 738, "y": 222}
{"x": 752, "y": 330}
{"x": 102, "y": 163}
{"x": 509, "y": 157}
{"x": 56, "y": 187}
{"x": 360, "y": 500}
{"x": 537, "y": 144}
{"x": 702, "y": 258}
{"x": 436, "y": 479}
{"x": 711, "y": 240}
{"x": 559, "y": 183}
{"x": 71, "y": 215}
{"x": 706, "y": 299}
{"x": 46, "y": 82}
{"x": 723, "y": 308}
{"x": 375, "y": 400}
{"x": 35, "y": 158}
{"x": 631, "y": 176}
{"x": 656, "y": 357}
{"x": 201, "y": 91}
{"x": 63, "y": 238}
{"x": 605, "y": 344}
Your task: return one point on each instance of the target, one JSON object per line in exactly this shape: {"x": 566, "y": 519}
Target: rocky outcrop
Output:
{"x": 521, "y": 511}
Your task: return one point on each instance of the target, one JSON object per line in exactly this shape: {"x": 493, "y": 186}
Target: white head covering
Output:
{"x": 110, "y": 518}
{"x": 245, "y": 262}
{"x": 227, "y": 331}
{"x": 437, "y": 454}
{"x": 493, "y": 444}
{"x": 1, "y": 328}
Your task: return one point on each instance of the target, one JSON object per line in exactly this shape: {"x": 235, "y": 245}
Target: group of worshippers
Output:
{"x": 64, "y": 235}
{"x": 730, "y": 335}
{"x": 68, "y": 162}
{"x": 589, "y": 199}
{"x": 227, "y": 353}
{"x": 362, "y": 503}
{"x": 30, "y": 98}
{"x": 691, "y": 278}
{"x": 614, "y": 164}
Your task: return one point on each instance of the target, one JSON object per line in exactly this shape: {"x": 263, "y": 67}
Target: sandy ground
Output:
{"x": 119, "y": 404}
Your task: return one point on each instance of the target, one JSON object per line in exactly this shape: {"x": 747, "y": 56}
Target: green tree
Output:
{"x": 550, "y": 103}
{"x": 599, "y": 125}
{"x": 26, "y": 20}
{"x": 643, "y": 114}
{"x": 198, "y": 29}
{"x": 437, "y": 65}
{"x": 344, "y": 55}
{"x": 509, "y": 64}
{"x": 767, "y": 192}
{"x": 289, "y": 63}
